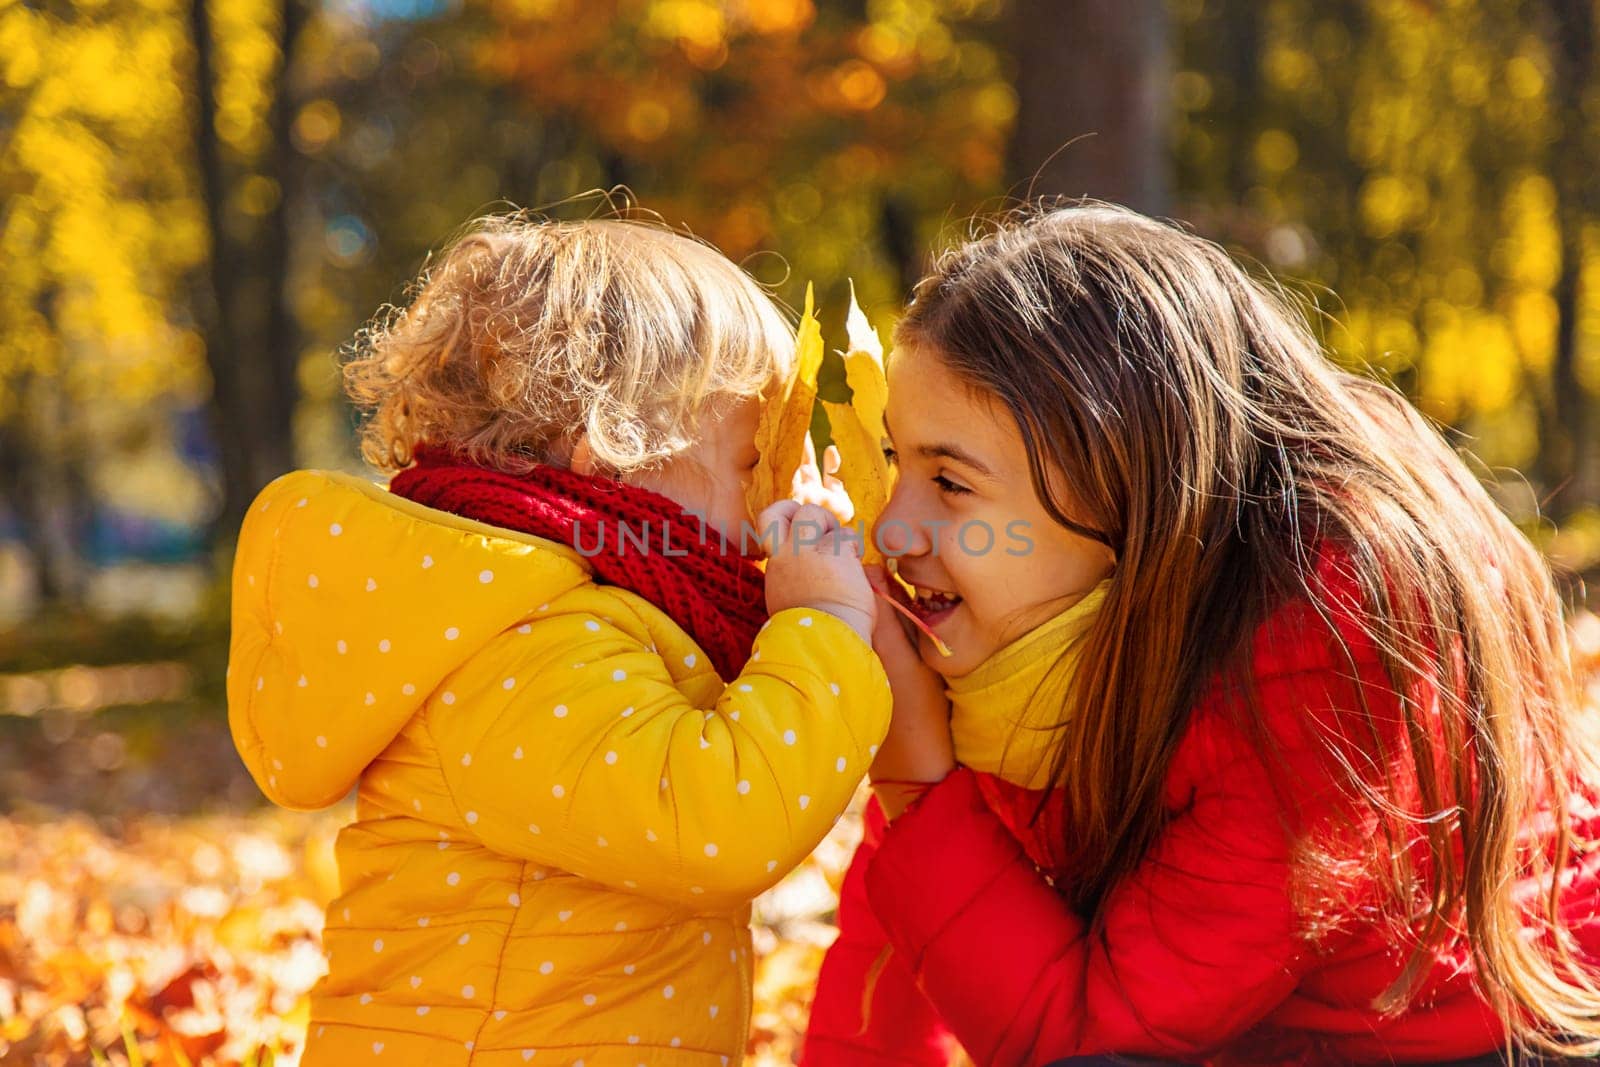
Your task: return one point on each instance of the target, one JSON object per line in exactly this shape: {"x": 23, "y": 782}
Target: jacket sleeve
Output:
{"x": 1198, "y": 943}
{"x": 592, "y": 759}
{"x": 897, "y": 1025}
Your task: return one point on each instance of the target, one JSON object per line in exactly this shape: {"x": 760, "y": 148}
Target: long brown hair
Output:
{"x": 1211, "y": 444}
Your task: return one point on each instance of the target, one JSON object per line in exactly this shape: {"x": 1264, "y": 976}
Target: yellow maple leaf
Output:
{"x": 857, "y": 427}
{"x": 786, "y": 418}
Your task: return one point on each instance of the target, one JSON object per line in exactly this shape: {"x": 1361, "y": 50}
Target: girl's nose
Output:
{"x": 897, "y": 533}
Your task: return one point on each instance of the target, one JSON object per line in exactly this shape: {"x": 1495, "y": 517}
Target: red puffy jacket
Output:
{"x": 1203, "y": 955}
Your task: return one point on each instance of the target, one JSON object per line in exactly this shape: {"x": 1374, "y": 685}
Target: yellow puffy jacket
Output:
{"x": 563, "y": 813}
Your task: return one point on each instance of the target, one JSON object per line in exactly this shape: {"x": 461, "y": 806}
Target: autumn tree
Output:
{"x": 99, "y": 231}
{"x": 1401, "y": 164}
{"x": 204, "y": 199}
{"x": 1093, "y": 81}
{"x": 247, "y": 169}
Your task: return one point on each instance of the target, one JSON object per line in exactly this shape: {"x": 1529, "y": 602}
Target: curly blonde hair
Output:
{"x": 524, "y": 331}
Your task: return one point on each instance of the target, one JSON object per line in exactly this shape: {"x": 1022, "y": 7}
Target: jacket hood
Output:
{"x": 350, "y": 606}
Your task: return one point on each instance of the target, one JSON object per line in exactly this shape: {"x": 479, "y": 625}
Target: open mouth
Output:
{"x": 901, "y": 595}
{"x": 931, "y": 606}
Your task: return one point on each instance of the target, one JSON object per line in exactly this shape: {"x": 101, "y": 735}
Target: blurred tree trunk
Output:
{"x": 233, "y": 417}
{"x": 44, "y": 484}
{"x": 23, "y": 480}
{"x": 897, "y": 224}
{"x": 1243, "y": 33}
{"x": 280, "y": 355}
{"x": 1093, "y": 88}
{"x": 1566, "y": 447}
{"x": 252, "y": 339}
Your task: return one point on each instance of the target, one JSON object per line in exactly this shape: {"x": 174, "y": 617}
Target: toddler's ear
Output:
{"x": 582, "y": 459}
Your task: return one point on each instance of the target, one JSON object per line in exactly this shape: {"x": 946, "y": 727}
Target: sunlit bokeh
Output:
{"x": 201, "y": 201}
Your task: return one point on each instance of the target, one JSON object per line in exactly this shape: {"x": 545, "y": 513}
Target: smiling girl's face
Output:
{"x": 964, "y": 525}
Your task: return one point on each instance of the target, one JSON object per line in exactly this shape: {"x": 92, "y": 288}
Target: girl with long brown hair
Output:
{"x": 1265, "y": 747}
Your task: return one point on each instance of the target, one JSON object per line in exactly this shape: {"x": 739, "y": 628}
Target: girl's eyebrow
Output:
{"x": 945, "y": 450}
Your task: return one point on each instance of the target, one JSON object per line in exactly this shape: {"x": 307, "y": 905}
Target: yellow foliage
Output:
{"x": 104, "y": 226}
{"x": 1469, "y": 363}
{"x": 1276, "y": 151}
{"x": 786, "y": 418}
{"x": 1533, "y": 319}
{"x": 777, "y": 16}
{"x": 1533, "y": 243}
{"x": 696, "y": 22}
{"x": 857, "y": 427}
{"x": 247, "y": 58}
{"x": 1523, "y": 77}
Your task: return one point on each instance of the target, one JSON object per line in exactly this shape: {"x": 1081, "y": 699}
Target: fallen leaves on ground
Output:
{"x": 199, "y": 938}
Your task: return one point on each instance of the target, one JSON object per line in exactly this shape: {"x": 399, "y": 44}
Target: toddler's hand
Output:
{"x": 918, "y": 748}
{"x": 814, "y": 565}
{"x": 818, "y": 483}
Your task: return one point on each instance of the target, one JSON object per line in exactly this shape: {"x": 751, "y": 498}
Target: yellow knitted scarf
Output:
{"x": 1000, "y": 723}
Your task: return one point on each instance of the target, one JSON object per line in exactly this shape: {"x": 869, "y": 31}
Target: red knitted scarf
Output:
{"x": 633, "y": 538}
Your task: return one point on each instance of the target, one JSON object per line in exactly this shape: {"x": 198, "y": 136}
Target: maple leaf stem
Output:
{"x": 938, "y": 643}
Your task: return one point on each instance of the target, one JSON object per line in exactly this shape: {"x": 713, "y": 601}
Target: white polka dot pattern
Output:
{"x": 517, "y": 717}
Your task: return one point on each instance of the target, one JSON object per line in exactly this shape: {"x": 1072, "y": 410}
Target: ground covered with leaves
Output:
{"x": 163, "y": 939}
{"x": 152, "y": 912}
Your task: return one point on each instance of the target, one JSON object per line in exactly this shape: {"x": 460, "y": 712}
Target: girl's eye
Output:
{"x": 890, "y": 456}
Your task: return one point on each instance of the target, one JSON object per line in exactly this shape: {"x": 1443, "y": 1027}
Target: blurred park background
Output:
{"x": 201, "y": 200}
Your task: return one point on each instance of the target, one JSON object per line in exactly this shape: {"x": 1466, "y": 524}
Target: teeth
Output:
{"x": 930, "y": 600}
{"x": 935, "y": 600}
